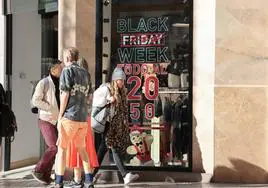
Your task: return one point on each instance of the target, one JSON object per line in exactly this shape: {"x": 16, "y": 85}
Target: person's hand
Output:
{"x": 53, "y": 118}
{"x": 60, "y": 116}
{"x": 111, "y": 99}
{"x": 90, "y": 97}
{"x": 58, "y": 125}
{"x": 59, "y": 122}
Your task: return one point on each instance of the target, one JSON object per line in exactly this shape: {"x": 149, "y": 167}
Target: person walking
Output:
{"x": 3, "y": 100}
{"x": 72, "y": 120}
{"x": 116, "y": 133}
{"x": 46, "y": 99}
{"x": 8, "y": 123}
{"x": 73, "y": 159}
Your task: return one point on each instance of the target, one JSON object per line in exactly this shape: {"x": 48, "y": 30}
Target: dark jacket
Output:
{"x": 3, "y": 98}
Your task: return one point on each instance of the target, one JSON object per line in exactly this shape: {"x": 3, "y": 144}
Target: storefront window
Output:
{"x": 49, "y": 41}
{"x": 151, "y": 41}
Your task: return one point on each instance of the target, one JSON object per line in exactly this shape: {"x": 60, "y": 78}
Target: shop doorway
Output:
{"x": 152, "y": 42}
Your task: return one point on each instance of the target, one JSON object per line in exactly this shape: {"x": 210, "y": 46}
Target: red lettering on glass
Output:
{"x": 133, "y": 39}
{"x": 151, "y": 84}
{"x": 136, "y": 69}
{"x": 144, "y": 69}
{"x": 128, "y": 69}
{"x": 131, "y": 95}
{"x": 134, "y": 111}
{"x": 142, "y": 39}
{"x": 149, "y": 110}
{"x": 157, "y": 37}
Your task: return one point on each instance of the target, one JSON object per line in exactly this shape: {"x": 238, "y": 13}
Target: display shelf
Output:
{"x": 166, "y": 90}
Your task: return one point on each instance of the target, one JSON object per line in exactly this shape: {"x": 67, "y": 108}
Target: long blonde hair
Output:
{"x": 82, "y": 63}
{"x": 71, "y": 53}
{"x": 120, "y": 94}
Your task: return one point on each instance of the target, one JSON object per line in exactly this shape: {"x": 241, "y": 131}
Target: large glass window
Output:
{"x": 151, "y": 41}
{"x": 49, "y": 51}
{"x": 49, "y": 41}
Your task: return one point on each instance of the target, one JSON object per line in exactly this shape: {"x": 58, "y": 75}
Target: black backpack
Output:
{"x": 8, "y": 125}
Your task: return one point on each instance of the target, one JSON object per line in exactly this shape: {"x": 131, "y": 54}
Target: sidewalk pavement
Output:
{"x": 21, "y": 178}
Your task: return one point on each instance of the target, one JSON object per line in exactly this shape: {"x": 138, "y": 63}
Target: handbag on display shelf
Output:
{"x": 185, "y": 79}
{"x": 173, "y": 70}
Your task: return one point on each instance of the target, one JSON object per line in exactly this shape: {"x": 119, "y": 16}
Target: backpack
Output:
{"x": 8, "y": 124}
{"x": 100, "y": 109}
{"x": 3, "y": 97}
{"x": 34, "y": 109}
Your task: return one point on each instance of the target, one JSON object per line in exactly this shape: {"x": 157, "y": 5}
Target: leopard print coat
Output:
{"x": 117, "y": 135}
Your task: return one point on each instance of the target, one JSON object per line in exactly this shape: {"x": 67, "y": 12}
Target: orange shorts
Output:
{"x": 73, "y": 159}
{"x": 72, "y": 131}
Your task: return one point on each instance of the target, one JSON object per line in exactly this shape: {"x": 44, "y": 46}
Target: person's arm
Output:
{"x": 38, "y": 97}
{"x": 66, "y": 84}
{"x": 64, "y": 97}
{"x": 90, "y": 90}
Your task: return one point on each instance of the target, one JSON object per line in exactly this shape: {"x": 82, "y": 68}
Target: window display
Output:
{"x": 153, "y": 47}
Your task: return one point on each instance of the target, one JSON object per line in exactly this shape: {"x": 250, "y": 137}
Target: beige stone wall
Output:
{"x": 241, "y": 92}
{"x": 67, "y": 24}
{"x": 85, "y": 32}
{"x": 77, "y": 28}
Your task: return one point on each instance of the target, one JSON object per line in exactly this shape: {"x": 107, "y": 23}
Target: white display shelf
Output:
{"x": 166, "y": 90}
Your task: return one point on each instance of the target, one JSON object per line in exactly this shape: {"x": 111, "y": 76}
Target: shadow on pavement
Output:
{"x": 242, "y": 172}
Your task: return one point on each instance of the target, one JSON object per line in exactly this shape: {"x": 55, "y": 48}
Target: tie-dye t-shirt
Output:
{"x": 76, "y": 81}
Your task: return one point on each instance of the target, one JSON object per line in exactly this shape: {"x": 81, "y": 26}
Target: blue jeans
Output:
{"x": 116, "y": 156}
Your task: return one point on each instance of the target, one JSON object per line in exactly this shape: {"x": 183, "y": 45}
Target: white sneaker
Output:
{"x": 96, "y": 178}
{"x": 130, "y": 178}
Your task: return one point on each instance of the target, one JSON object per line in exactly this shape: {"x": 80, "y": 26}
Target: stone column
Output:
{"x": 77, "y": 29}
{"x": 241, "y": 91}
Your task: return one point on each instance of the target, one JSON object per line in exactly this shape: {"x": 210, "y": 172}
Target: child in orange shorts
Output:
{"x": 73, "y": 160}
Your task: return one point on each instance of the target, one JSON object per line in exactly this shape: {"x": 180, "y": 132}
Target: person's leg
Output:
{"x": 77, "y": 181}
{"x": 118, "y": 161}
{"x": 61, "y": 161}
{"x": 44, "y": 166}
{"x": 66, "y": 130}
{"x": 84, "y": 156}
{"x": 75, "y": 163}
{"x": 128, "y": 177}
{"x": 60, "y": 167}
{"x": 79, "y": 140}
{"x": 101, "y": 153}
{"x": 77, "y": 174}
